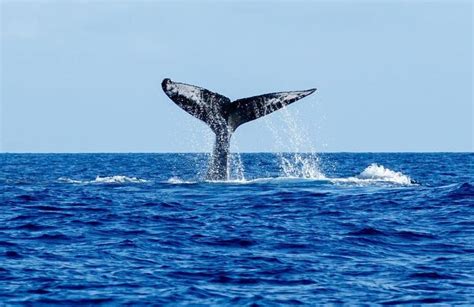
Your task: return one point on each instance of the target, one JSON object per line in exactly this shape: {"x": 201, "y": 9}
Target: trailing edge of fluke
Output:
{"x": 224, "y": 116}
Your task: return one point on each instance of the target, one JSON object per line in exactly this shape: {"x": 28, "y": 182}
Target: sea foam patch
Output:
{"x": 379, "y": 172}
{"x": 105, "y": 180}
{"x": 375, "y": 173}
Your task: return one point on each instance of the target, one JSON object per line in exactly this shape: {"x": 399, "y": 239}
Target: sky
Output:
{"x": 84, "y": 76}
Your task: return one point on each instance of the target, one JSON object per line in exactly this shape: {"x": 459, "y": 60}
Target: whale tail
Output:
{"x": 224, "y": 116}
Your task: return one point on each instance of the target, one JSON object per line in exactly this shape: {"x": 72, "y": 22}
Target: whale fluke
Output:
{"x": 223, "y": 116}
{"x": 247, "y": 109}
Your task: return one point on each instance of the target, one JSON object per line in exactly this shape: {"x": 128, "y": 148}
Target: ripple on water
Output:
{"x": 367, "y": 231}
{"x": 32, "y": 227}
{"x": 13, "y": 255}
{"x": 52, "y": 237}
{"x": 359, "y": 235}
{"x": 430, "y": 275}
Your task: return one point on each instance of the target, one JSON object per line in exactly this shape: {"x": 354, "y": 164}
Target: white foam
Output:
{"x": 69, "y": 180}
{"x": 106, "y": 180}
{"x": 119, "y": 179}
{"x": 379, "y": 172}
{"x": 177, "y": 180}
{"x": 375, "y": 173}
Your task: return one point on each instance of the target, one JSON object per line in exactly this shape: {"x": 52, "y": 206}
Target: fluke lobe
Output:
{"x": 223, "y": 116}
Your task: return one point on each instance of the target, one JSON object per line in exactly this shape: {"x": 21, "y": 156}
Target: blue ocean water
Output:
{"x": 146, "y": 228}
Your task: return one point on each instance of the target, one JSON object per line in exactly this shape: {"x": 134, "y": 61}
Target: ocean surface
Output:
{"x": 349, "y": 228}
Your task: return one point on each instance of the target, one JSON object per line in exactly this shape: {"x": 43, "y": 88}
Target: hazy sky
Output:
{"x": 84, "y": 76}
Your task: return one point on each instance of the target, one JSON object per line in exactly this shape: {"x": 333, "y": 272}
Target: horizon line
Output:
{"x": 206, "y": 152}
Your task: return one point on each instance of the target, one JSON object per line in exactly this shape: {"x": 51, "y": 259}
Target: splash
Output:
{"x": 374, "y": 174}
{"x": 236, "y": 167}
{"x": 105, "y": 180}
{"x": 300, "y": 166}
{"x": 379, "y": 172}
{"x": 294, "y": 139}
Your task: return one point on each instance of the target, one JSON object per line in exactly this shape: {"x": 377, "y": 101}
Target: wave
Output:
{"x": 462, "y": 190}
{"x": 119, "y": 179}
{"x": 375, "y": 173}
{"x": 177, "y": 180}
{"x": 105, "y": 180}
{"x": 379, "y": 172}
{"x": 372, "y": 175}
